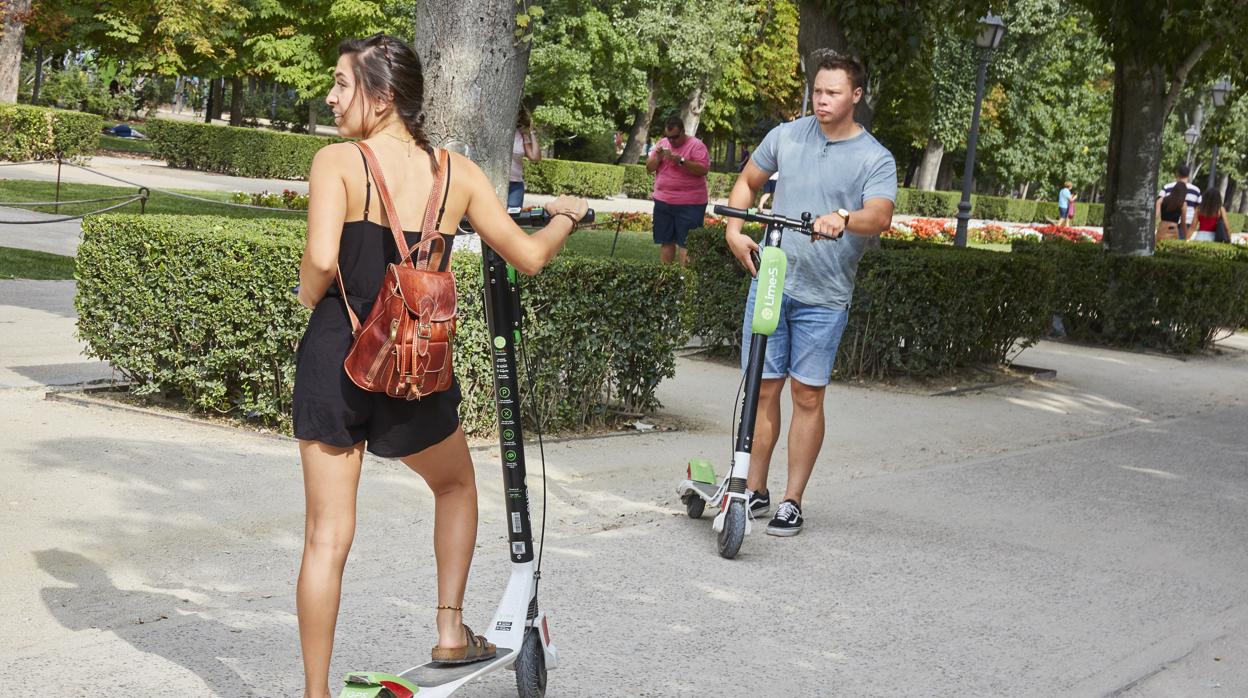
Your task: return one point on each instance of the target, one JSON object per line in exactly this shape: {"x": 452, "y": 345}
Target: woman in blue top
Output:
{"x": 1065, "y": 201}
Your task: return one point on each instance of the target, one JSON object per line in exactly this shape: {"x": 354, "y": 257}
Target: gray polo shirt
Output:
{"x": 819, "y": 175}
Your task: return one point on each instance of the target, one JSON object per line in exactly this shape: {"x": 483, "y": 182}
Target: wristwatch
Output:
{"x": 843, "y": 214}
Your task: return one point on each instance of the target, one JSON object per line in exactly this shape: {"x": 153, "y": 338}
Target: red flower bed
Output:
{"x": 1068, "y": 233}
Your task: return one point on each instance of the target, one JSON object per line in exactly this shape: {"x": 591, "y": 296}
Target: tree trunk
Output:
{"x": 691, "y": 108}
{"x": 929, "y": 167}
{"x": 210, "y": 100}
{"x": 1022, "y": 192}
{"x": 1243, "y": 200}
{"x": 640, "y": 129}
{"x": 34, "y": 92}
{"x": 311, "y": 117}
{"x": 1223, "y": 182}
{"x": 236, "y": 101}
{"x": 14, "y": 28}
{"x": 944, "y": 179}
{"x": 474, "y": 75}
{"x": 817, "y": 29}
{"x": 1136, "y": 125}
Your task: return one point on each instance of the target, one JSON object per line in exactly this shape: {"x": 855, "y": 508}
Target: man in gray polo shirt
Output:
{"x": 831, "y": 167}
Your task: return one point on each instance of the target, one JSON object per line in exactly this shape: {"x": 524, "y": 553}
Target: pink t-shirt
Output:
{"x": 674, "y": 184}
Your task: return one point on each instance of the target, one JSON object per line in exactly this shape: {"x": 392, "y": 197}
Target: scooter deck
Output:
{"x": 705, "y": 490}
{"x": 433, "y": 674}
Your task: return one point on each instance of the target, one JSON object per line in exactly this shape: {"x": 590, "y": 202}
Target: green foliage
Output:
{"x": 586, "y": 179}
{"x": 1169, "y": 302}
{"x": 35, "y": 133}
{"x": 1094, "y": 214}
{"x": 1046, "y": 212}
{"x": 1238, "y": 222}
{"x": 243, "y": 152}
{"x": 761, "y": 81}
{"x": 918, "y": 309}
{"x": 1001, "y": 208}
{"x": 1047, "y": 119}
{"x": 638, "y": 182}
{"x": 1204, "y": 250}
{"x": 719, "y": 184}
{"x": 941, "y": 204}
{"x": 201, "y": 307}
{"x": 584, "y": 73}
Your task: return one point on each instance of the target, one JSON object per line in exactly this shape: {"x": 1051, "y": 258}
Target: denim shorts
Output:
{"x": 672, "y": 222}
{"x": 805, "y": 341}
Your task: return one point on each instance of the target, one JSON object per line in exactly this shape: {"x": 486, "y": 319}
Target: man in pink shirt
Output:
{"x": 680, "y": 163}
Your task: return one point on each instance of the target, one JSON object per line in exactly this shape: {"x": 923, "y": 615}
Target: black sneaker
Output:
{"x": 760, "y": 504}
{"x": 787, "y": 521}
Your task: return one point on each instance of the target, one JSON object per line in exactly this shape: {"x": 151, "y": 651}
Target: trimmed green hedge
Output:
{"x": 931, "y": 204}
{"x": 1170, "y": 302}
{"x": 638, "y": 182}
{"x": 1205, "y": 250}
{"x": 201, "y": 307}
{"x": 1003, "y": 208}
{"x": 588, "y": 179}
{"x": 245, "y": 152}
{"x": 918, "y": 309}
{"x": 36, "y": 133}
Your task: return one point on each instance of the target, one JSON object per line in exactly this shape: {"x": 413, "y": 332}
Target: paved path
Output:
{"x": 1078, "y": 537}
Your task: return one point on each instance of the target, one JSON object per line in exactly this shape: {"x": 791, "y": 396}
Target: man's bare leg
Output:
{"x": 766, "y": 433}
{"x": 805, "y": 437}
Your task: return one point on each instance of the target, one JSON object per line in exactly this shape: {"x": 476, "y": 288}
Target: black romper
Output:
{"x": 328, "y": 407}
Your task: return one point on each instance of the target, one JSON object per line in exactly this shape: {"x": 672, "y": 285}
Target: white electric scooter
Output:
{"x": 701, "y": 487}
{"x": 519, "y": 628}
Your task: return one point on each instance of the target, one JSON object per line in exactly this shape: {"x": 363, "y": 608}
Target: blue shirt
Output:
{"x": 1063, "y": 198}
{"x": 818, "y": 175}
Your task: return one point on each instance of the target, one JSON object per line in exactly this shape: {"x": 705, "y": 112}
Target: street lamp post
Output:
{"x": 1220, "y": 90}
{"x": 1190, "y": 136}
{"x": 991, "y": 29}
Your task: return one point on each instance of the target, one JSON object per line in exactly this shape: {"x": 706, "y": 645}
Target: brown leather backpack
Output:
{"x": 404, "y": 348}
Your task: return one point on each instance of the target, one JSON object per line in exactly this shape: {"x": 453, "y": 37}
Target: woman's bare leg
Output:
{"x": 330, "y": 478}
{"x": 447, "y": 469}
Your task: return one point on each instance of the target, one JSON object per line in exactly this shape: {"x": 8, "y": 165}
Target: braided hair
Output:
{"x": 386, "y": 68}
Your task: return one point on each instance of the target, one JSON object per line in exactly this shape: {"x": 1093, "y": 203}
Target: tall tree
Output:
{"x": 476, "y": 57}
{"x": 13, "y": 16}
{"x": 1157, "y": 47}
{"x": 884, "y": 36}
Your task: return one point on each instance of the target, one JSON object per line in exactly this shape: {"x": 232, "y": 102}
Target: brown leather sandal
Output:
{"x": 478, "y": 649}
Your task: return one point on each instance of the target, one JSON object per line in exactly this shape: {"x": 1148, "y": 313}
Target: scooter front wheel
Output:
{"x": 531, "y": 666}
{"x": 733, "y": 532}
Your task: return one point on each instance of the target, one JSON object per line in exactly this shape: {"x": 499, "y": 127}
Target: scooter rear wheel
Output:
{"x": 694, "y": 505}
{"x": 531, "y": 666}
{"x": 733, "y": 532}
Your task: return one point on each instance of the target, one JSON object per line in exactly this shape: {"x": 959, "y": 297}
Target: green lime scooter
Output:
{"x": 701, "y": 487}
{"x": 520, "y": 628}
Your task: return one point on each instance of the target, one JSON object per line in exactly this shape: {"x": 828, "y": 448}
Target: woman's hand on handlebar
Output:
{"x": 742, "y": 246}
{"x": 565, "y": 205}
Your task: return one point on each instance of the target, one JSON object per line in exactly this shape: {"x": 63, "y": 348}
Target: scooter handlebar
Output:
{"x": 804, "y": 226}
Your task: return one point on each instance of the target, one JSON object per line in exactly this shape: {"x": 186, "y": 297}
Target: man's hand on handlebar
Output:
{"x": 831, "y": 226}
{"x": 744, "y": 249}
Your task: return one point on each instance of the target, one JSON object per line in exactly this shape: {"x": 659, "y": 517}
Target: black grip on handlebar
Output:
{"x": 539, "y": 217}
{"x": 730, "y": 211}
